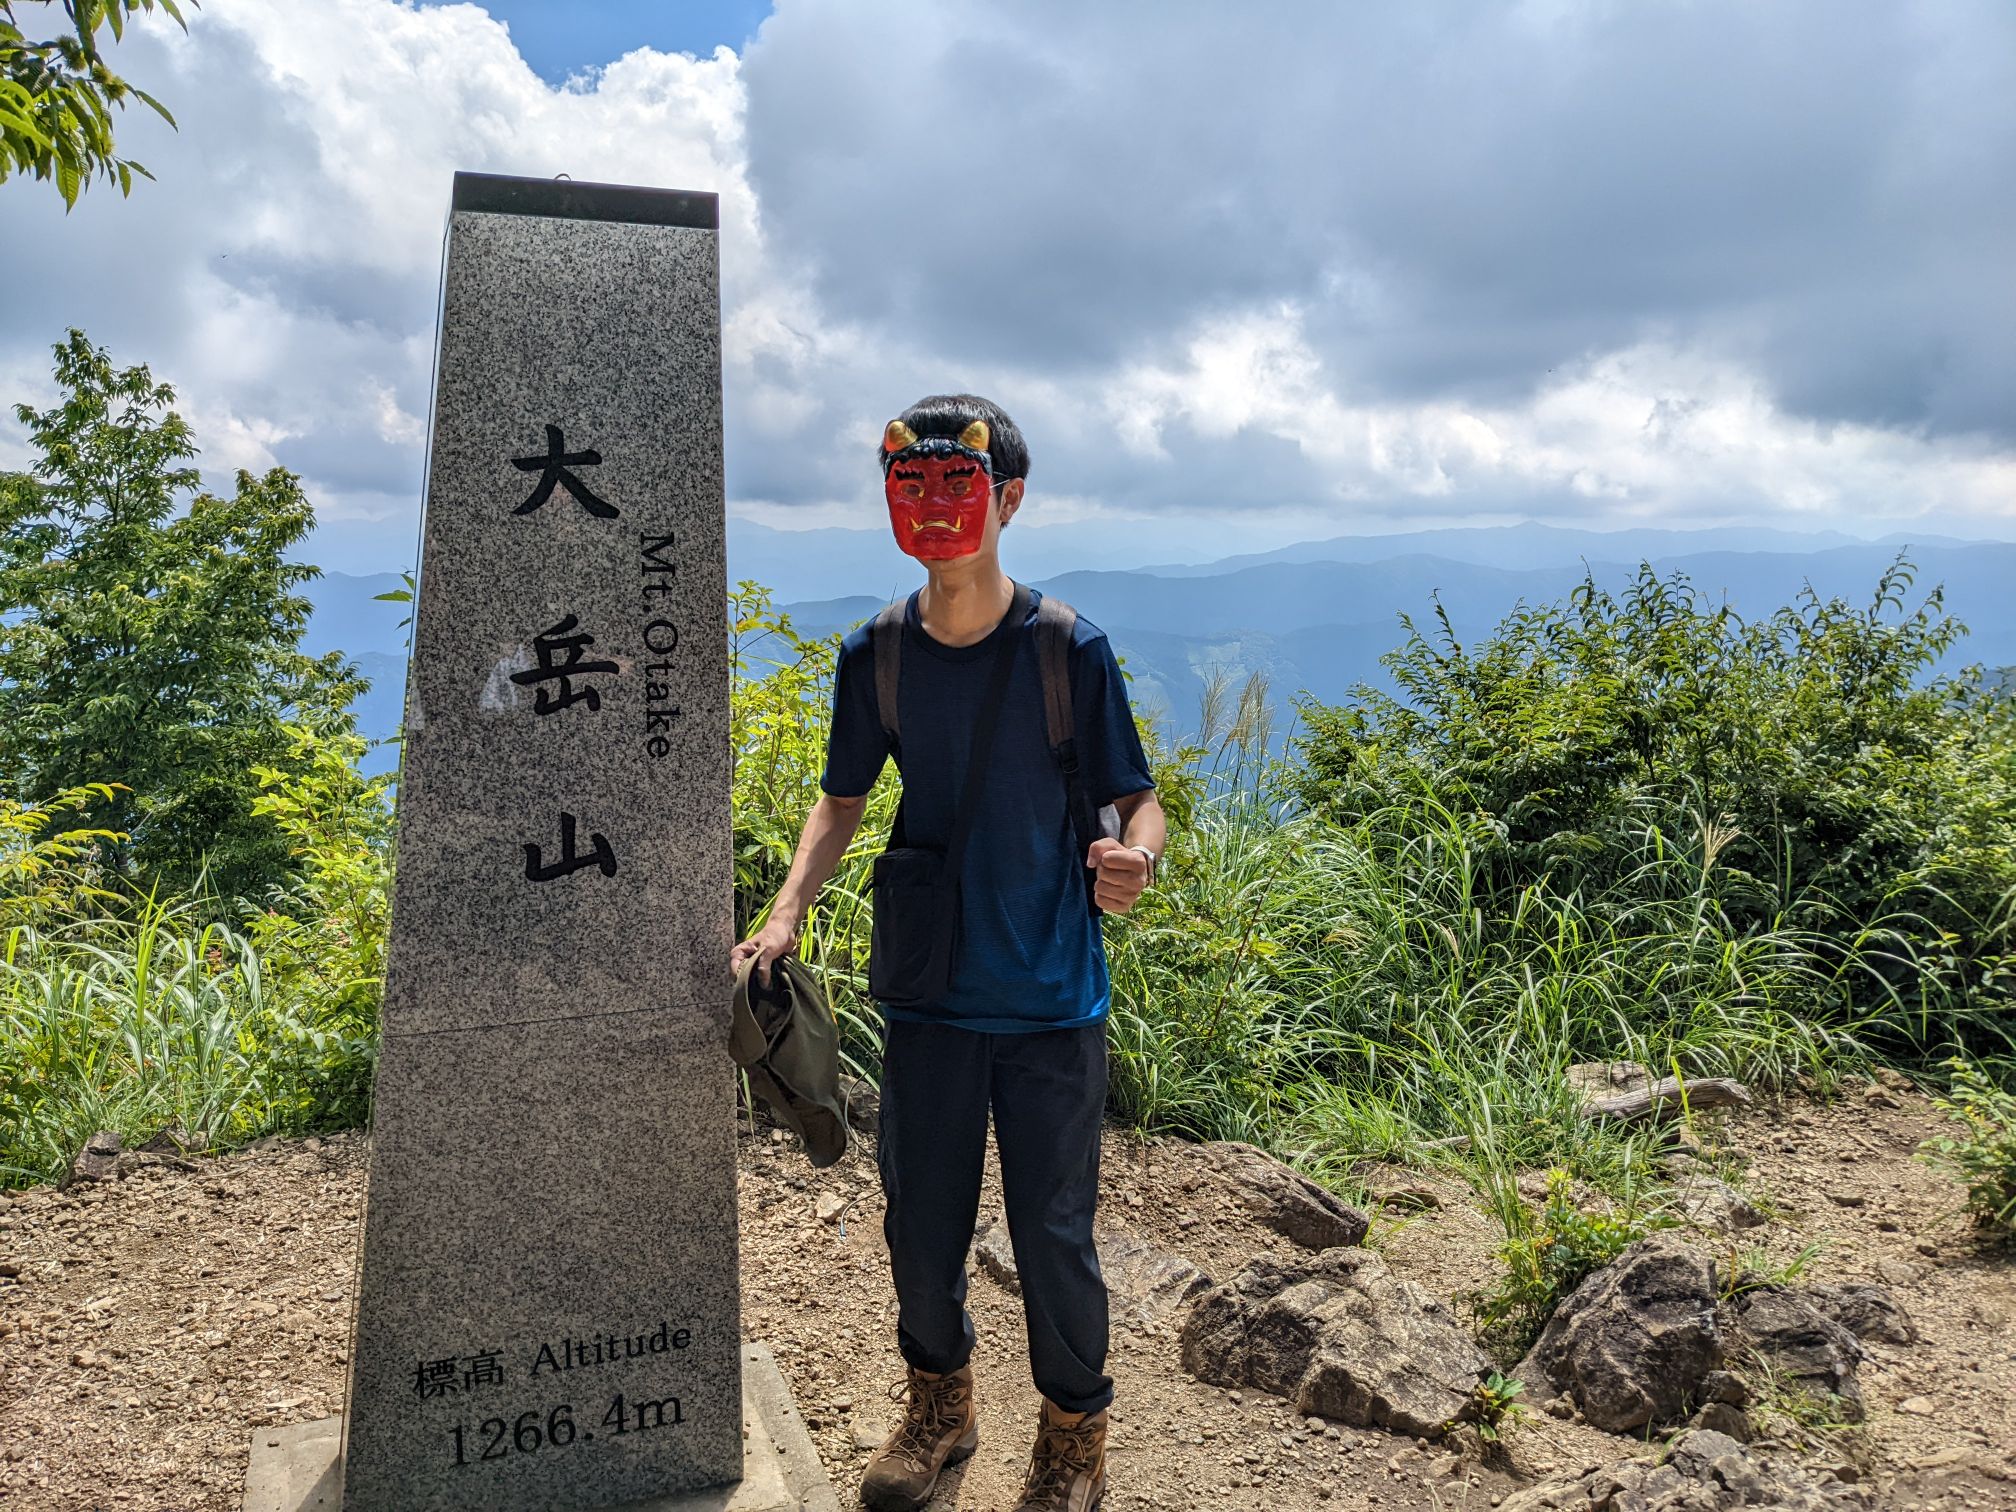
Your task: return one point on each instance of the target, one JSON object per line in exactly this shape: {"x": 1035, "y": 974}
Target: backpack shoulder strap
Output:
{"x": 1055, "y": 621}
{"x": 886, "y": 637}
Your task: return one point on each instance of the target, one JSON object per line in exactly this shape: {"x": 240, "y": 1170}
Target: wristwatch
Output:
{"x": 1153, "y": 859}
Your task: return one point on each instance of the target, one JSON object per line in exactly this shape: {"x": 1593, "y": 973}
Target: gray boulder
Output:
{"x": 1866, "y": 1310}
{"x": 1144, "y": 1284}
{"x": 1341, "y": 1337}
{"x": 1285, "y": 1200}
{"x": 1705, "y": 1471}
{"x": 1633, "y": 1342}
{"x": 1800, "y": 1345}
{"x": 995, "y": 1254}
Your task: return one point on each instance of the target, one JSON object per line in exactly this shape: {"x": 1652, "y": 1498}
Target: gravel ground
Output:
{"x": 151, "y": 1326}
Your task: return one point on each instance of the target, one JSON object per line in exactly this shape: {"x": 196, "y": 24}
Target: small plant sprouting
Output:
{"x": 1497, "y": 1411}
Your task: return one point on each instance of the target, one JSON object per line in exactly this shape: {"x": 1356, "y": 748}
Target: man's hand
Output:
{"x": 776, "y": 939}
{"x": 1123, "y": 873}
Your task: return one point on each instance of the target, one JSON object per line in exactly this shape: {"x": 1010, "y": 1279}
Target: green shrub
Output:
{"x": 1984, "y": 1155}
{"x": 46, "y": 870}
{"x": 780, "y": 709}
{"x": 325, "y": 933}
{"x": 137, "y": 1015}
{"x": 1837, "y": 787}
{"x": 155, "y": 1021}
{"x": 1498, "y": 1407}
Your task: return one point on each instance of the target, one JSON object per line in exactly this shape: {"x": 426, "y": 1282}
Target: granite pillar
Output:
{"x": 548, "y": 1312}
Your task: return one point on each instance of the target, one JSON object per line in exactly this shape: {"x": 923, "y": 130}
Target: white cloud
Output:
{"x": 1649, "y": 427}
{"x": 1331, "y": 300}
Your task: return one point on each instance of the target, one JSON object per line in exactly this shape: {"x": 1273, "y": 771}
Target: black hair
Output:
{"x": 946, "y": 416}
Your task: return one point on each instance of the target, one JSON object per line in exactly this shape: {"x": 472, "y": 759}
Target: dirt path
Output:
{"x": 149, "y": 1327}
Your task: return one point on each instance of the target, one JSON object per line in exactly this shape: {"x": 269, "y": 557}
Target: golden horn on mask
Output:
{"x": 975, "y": 435}
{"x": 898, "y": 436}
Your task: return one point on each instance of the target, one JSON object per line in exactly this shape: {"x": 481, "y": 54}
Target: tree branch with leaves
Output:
{"x": 57, "y": 96}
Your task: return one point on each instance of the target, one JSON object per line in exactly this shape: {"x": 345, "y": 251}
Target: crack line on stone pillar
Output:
{"x": 565, "y": 1018}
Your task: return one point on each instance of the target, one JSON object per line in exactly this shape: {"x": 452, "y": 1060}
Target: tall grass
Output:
{"x": 1338, "y": 992}
{"x": 160, "y": 1021}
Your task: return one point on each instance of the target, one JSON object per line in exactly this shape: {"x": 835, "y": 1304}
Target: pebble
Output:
{"x": 1919, "y": 1406}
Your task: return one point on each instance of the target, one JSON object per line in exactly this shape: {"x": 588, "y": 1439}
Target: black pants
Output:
{"x": 1048, "y": 1092}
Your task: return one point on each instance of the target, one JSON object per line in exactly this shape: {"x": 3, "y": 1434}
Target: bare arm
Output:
{"x": 829, "y": 829}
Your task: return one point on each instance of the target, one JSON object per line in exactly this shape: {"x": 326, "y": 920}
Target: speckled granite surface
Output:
{"x": 548, "y": 1309}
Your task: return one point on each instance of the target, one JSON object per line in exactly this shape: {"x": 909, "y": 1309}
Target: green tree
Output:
{"x": 154, "y": 645}
{"x": 56, "y": 96}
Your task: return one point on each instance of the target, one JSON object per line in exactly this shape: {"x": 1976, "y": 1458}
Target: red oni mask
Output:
{"x": 938, "y": 490}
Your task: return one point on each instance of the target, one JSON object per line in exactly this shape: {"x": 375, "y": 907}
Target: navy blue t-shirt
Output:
{"x": 1031, "y": 955}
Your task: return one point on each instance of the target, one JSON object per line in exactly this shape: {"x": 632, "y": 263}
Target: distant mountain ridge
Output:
{"x": 1320, "y": 627}
{"x": 1315, "y": 616}
{"x": 1533, "y": 545}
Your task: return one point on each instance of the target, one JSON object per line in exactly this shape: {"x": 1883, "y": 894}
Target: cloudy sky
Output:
{"x": 1244, "y": 274}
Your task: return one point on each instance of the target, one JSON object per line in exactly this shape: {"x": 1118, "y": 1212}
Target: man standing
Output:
{"x": 1021, "y": 1029}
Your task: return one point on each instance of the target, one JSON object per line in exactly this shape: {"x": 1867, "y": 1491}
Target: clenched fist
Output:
{"x": 1122, "y": 874}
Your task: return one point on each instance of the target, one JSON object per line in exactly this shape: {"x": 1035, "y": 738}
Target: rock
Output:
{"x": 1681, "y": 1142}
{"x": 1724, "y": 1386}
{"x": 1866, "y": 1310}
{"x": 1938, "y": 1459}
{"x": 1145, "y": 1281}
{"x": 864, "y": 1103}
{"x": 1596, "y": 1079}
{"x": 1918, "y": 1406}
{"x": 1633, "y": 1342}
{"x": 1714, "y": 1205}
{"x": 97, "y": 1161}
{"x": 1705, "y": 1471}
{"x": 1721, "y": 1417}
{"x": 1896, "y": 1272}
{"x": 868, "y": 1437}
{"x": 1285, "y": 1200}
{"x": 996, "y": 1255}
{"x": 174, "y": 1140}
{"x": 1341, "y": 1337}
{"x": 1801, "y": 1345}
{"x": 1144, "y": 1284}
{"x": 829, "y": 1207}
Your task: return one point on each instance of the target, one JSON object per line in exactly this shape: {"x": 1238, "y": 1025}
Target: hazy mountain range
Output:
{"x": 1314, "y": 616}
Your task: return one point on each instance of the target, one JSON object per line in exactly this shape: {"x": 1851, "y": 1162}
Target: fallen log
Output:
{"x": 1666, "y": 1095}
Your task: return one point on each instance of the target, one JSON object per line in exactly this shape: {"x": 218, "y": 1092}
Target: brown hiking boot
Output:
{"x": 939, "y": 1428}
{"x": 1067, "y": 1469}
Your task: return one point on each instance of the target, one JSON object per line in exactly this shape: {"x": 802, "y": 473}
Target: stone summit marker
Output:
{"x": 548, "y": 1312}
